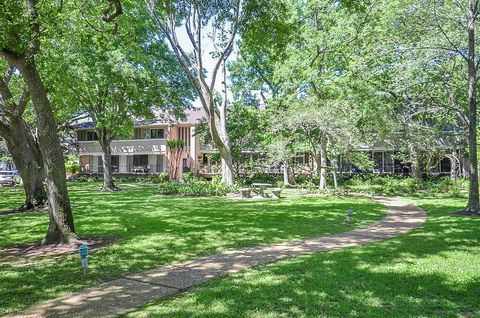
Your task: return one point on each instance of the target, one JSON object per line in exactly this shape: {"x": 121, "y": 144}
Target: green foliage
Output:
{"x": 392, "y": 185}
{"x": 175, "y": 144}
{"x": 271, "y": 178}
{"x": 192, "y": 186}
{"x": 113, "y": 75}
{"x": 160, "y": 178}
{"x": 71, "y": 164}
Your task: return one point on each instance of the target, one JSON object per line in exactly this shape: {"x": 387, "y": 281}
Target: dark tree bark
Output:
{"x": 61, "y": 228}
{"x": 30, "y": 170}
{"x": 105, "y": 140}
{"x": 473, "y": 205}
{"x": 21, "y": 145}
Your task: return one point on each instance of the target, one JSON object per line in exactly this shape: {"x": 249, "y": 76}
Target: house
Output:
{"x": 146, "y": 150}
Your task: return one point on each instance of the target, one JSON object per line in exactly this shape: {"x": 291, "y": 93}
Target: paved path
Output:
{"x": 121, "y": 295}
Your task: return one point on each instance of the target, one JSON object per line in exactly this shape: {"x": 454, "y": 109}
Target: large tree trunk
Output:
{"x": 322, "y": 164}
{"x": 473, "y": 205}
{"x": 29, "y": 169}
{"x": 61, "y": 228}
{"x": 105, "y": 143}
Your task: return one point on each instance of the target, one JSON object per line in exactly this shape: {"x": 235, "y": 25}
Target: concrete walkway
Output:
{"x": 121, "y": 295}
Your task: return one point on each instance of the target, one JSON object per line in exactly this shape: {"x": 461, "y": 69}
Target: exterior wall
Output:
{"x": 155, "y": 149}
{"x": 124, "y": 147}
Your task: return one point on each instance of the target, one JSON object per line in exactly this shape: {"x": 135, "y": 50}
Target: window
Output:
{"x": 91, "y": 135}
{"x": 140, "y": 160}
{"x": 139, "y": 133}
{"x": 81, "y": 135}
{"x": 445, "y": 165}
{"x": 157, "y": 133}
{"x": 115, "y": 163}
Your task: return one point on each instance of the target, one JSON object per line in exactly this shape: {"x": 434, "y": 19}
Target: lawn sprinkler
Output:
{"x": 83, "y": 250}
{"x": 348, "y": 218}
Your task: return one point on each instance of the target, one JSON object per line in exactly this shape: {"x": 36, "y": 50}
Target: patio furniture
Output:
{"x": 276, "y": 192}
{"x": 259, "y": 188}
{"x": 246, "y": 193}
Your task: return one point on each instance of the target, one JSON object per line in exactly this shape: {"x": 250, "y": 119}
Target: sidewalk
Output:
{"x": 124, "y": 294}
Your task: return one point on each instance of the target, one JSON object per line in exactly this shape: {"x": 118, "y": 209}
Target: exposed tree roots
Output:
{"x": 110, "y": 189}
{"x": 468, "y": 212}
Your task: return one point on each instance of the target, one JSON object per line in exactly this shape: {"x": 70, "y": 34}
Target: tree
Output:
{"x": 21, "y": 143}
{"x": 117, "y": 75}
{"x": 21, "y": 30}
{"x": 425, "y": 63}
{"x": 175, "y": 150}
{"x": 220, "y": 22}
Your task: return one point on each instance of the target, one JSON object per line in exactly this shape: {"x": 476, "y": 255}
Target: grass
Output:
{"x": 156, "y": 230}
{"x": 431, "y": 272}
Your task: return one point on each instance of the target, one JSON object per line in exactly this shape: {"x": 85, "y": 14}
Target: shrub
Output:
{"x": 71, "y": 164}
{"x": 169, "y": 187}
{"x": 188, "y": 177}
{"x": 160, "y": 178}
{"x": 195, "y": 187}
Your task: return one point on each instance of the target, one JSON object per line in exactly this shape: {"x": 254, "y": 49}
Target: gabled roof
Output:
{"x": 192, "y": 116}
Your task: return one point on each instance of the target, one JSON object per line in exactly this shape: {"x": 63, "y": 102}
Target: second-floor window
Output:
{"x": 86, "y": 135}
{"x": 157, "y": 133}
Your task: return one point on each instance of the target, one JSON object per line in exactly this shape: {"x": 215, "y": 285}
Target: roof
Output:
{"x": 192, "y": 116}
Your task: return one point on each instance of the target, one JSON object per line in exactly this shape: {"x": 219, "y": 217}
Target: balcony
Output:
{"x": 124, "y": 147}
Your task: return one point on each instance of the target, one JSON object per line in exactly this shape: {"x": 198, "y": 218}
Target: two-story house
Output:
{"x": 146, "y": 151}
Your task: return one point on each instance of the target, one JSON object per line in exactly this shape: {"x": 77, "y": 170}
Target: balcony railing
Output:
{"x": 135, "y": 169}
{"x": 125, "y": 147}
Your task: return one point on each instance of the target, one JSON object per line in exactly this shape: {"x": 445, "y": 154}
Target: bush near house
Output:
{"x": 407, "y": 185}
{"x": 193, "y": 186}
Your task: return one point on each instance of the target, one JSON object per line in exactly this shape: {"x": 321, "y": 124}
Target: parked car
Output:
{"x": 9, "y": 178}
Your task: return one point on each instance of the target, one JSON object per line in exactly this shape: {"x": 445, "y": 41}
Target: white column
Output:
{"x": 95, "y": 164}
{"x": 383, "y": 161}
{"x": 193, "y": 143}
{"x": 122, "y": 161}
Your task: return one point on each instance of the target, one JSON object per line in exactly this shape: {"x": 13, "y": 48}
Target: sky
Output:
{"x": 209, "y": 62}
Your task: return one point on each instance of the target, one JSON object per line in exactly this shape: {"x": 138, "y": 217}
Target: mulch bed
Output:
{"x": 24, "y": 254}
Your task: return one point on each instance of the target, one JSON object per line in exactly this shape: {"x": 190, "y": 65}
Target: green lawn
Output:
{"x": 156, "y": 230}
{"x": 431, "y": 272}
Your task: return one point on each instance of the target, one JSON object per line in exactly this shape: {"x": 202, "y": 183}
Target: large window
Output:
{"x": 157, "y": 133}
{"x": 86, "y": 135}
{"x": 115, "y": 163}
{"x": 91, "y": 135}
{"x": 140, "y": 160}
{"x": 140, "y": 164}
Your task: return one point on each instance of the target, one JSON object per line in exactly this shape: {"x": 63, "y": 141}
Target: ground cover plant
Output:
{"x": 398, "y": 184}
{"x": 154, "y": 230}
{"x": 431, "y": 272}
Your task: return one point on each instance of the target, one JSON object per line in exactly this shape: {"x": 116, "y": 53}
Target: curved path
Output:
{"x": 121, "y": 295}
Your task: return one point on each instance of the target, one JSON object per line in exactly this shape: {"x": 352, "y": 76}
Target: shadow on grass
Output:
{"x": 157, "y": 230}
{"x": 431, "y": 272}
